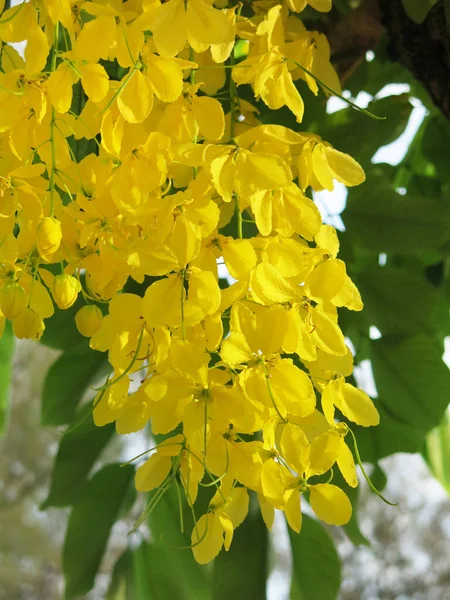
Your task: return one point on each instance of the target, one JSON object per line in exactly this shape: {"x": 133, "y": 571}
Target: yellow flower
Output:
{"x": 48, "y": 237}
{"x": 214, "y": 530}
{"x": 28, "y": 325}
{"x": 88, "y": 320}
{"x": 13, "y": 300}
{"x": 65, "y": 290}
{"x": 195, "y": 21}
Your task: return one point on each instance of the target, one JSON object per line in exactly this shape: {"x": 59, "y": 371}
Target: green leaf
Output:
{"x": 352, "y": 529}
{"x": 6, "y": 355}
{"x": 241, "y": 572}
{"x": 316, "y": 568}
{"x": 437, "y": 451}
{"x": 120, "y": 586}
{"x": 401, "y": 301}
{"x": 435, "y": 144}
{"x": 413, "y": 382}
{"x": 417, "y": 10}
{"x": 170, "y": 552}
{"x": 390, "y": 436}
{"x": 78, "y": 450}
{"x": 67, "y": 381}
{"x": 61, "y": 331}
{"x": 343, "y": 129}
{"x": 131, "y": 576}
{"x": 90, "y": 524}
{"x": 381, "y": 220}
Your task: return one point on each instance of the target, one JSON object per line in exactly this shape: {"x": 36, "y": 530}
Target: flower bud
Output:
{"x": 65, "y": 290}
{"x": 13, "y": 300}
{"x": 28, "y": 325}
{"x": 48, "y": 237}
{"x": 88, "y": 320}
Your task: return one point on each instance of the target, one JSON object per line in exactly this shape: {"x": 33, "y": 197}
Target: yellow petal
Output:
{"x": 204, "y": 291}
{"x": 260, "y": 171}
{"x": 346, "y": 464}
{"x": 270, "y": 286}
{"x": 292, "y": 509}
{"x": 36, "y": 51}
{"x": 207, "y": 538}
{"x": 330, "y": 504}
{"x": 166, "y": 78}
{"x": 235, "y": 349}
{"x": 152, "y": 473}
{"x": 291, "y": 95}
{"x": 135, "y": 101}
{"x": 324, "y": 452}
{"x": 326, "y": 280}
{"x": 170, "y": 28}
{"x": 209, "y": 115}
{"x": 223, "y": 171}
{"x": 185, "y": 241}
{"x": 262, "y": 207}
{"x": 162, "y": 302}
{"x": 272, "y": 483}
{"x": 326, "y": 334}
{"x": 349, "y": 296}
{"x": 239, "y": 256}
{"x": 357, "y": 406}
{"x": 344, "y": 168}
{"x": 301, "y": 212}
{"x": 321, "y": 169}
{"x": 295, "y": 448}
{"x": 206, "y": 24}
{"x": 59, "y": 87}
{"x": 96, "y": 39}
{"x": 327, "y": 238}
{"x": 292, "y": 388}
{"x": 94, "y": 80}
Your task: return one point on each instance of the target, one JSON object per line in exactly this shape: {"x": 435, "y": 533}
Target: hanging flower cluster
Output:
{"x": 243, "y": 379}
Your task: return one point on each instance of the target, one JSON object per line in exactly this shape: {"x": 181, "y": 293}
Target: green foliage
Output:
{"x": 6, "y": 354}
{"x": 78, "y": 450}
{"x": 90, "y": 524}
{"x": 437, "y": 451}
{"x": 241, "y": 573}
{"x": 67, "y": 381}
{"x": 417, "y": 10}
{"x": 401, "y": 301}
{"x": 412, "y": 381}
{"x": 380, "y": 219}
{"x": 316, "y": 566}
{"x": 171, "y": 546}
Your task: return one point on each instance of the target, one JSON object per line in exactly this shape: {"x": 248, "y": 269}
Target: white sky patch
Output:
{"x": 279, "y": 581}
{"x": 375, "y": 333}
{"x": 223, "y": 272}
{"x": 364, "y": 378}
{"x": 331, "y": 204}
{"x": 382, "y": 259}
{"x": 394, "y": 153}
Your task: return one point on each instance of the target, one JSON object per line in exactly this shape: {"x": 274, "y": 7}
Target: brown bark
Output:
{"x": 422, "y": 49}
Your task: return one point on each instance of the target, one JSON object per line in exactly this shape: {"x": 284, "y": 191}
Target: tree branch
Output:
{"x": 423, "y": 49}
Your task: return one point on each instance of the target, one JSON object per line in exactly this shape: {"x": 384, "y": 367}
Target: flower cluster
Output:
{"x": 243, "y": 379}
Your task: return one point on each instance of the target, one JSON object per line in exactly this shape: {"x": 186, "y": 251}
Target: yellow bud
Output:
{"x": 48, "y": 237}
{"x": 13, "y": 300}
{"x": 28, "y": 325}
{"x": 88, "y": 320}
{"x": 65, "y": 290}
